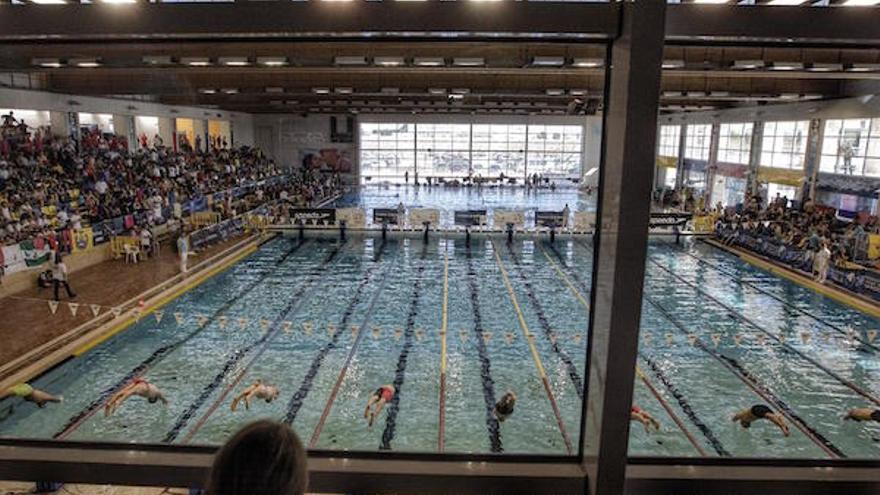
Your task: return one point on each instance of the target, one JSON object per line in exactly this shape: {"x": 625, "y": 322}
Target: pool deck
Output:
{"x": 28, "y": 323}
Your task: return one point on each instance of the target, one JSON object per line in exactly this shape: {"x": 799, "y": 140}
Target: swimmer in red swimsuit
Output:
{"x": 648, "y": 421}
{"x": 138, "y": 387}
{"x": 380, "y": 397}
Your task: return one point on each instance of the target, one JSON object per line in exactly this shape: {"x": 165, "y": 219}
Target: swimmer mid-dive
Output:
{"x": 380, "y": 397}
{"x": 31, "y": 394}
{"x": 863, "y": 414}
{"x": 747, "y": 416}
{"x": 259, "y": 390}
{"x": 504, "y": 407}
{"x": 138, "y": 387}
{"x": 642, "y": 416}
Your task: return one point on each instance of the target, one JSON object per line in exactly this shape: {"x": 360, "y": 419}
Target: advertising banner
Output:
{"x": 313, "y": 216}
{"x": 387, "y": 216}
{"x": 469, "y": 218}
{"x": 549, "y": 219}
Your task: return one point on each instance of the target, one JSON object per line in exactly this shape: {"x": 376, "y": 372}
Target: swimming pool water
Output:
{"x": 330, "y": 321}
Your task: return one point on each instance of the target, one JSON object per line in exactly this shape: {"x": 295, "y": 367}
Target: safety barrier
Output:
{"x": 204, "y": 218}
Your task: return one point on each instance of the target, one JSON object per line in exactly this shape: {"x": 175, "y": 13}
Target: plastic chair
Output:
{"x": 132, "y": 253}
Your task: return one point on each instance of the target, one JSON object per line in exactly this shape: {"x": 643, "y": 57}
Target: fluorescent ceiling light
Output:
{"x": 86, "y": 63}
{"x": 344, "y": 90}
{"x": 321, "y": 90}
{"x": 858, "y": 3}
{"x": 748, "y": 64}
{"x": 207, "y": 91}
{"x": 577, "y": 92}
{"x": 469, "y": 61}
{"x": 789, "y": 96}
{"x": 118, "y": 1}
{"x": 437, "y": 91}
{"x": 786, "y": 2}
{"x": 587, "y": 62}
{"x": 860, "y": 67}
{"x": 49, "y": 63}
{"x": 272, "y": 61}
{"x": 229, "y": 91}
{"x": 548, "y": 61}
{"x": 233, "y": 61}
{"x": 460, "y": 91}
{"x": 429, "y": 61}
{"x": 826, "y": 67}
{"x": 388, "y": 61}
{"x": 787, "y": 66}
{"x": 196, "y": 61}
{"x": 673, "y": 64}
{"x": 350, "y": 60}
{"x": 48, "y": 2}
{"x": 710, "y": 1}
{"x": 157, "y": 60}
{"x": 672, "y": 94}
{"x": 555, "y": 92}
{"x": 456, "y": 96}
{"x": 274, "y": 89}
{"x": 696, "y": 94}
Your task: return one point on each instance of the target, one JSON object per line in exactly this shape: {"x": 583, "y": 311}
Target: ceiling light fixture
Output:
{"x": 429, "y": 61}
{"x": 826, "y": 67}
{"x": 207, "y": 91}
{"x": 196, "y": 61}
{"x": 234, "y": 61}
{"x": 389, "y": 61}
{"x": 272, "y": 61}
{"x": 469, "y": 61}
{"x": 673, "y": 64}
{"x": 787, "y": 66}
{"x": 48, "y": 63}
{"x": 555, "y": 92}
{"x": 86, "y": 63}
{"x": 548, "y": 61}
{"x": 344, "y": 90}
{"x": 321, "y": 90}
{"x": 229, "y": 91}
{"x": 748, "y": 64}
{"x": 862, "y": 67}
{"x": 437, "y": 91}
{"x": 587, "y": 62}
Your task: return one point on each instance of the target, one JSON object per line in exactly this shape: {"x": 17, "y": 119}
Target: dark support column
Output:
{"x": 811, "y": 160}
{"x": 679, "y": 166}
{"x": 754, "y": 159}
{"x": 712, "y": 165}
{"x": 629, "y": 143}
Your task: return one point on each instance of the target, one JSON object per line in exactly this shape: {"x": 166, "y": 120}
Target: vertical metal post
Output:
{"x": 679, "y": 166}
{"x": 712, "y": 164}
{"x": 629, "y": 135}
{"x": 754, "y": 159}
{"x": 815, "y": 137}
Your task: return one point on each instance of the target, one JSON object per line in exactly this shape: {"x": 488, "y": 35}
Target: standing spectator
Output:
{"x": 182, "y": 251}
{"x": 60, "y": 277}
{"x": 821, "y": 263}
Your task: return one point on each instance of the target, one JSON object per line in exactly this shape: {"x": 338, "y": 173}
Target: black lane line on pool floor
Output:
{"x": 492, "y": 425}
{"x": 290, "y": 309}
{"x": 403, "y": 358}
{"x": 159, "y": 354}
{"x": 810, "y": 314}
{"x": 354, "y": 347}
{"x": 545, "y": 326}
{"x": 298, "y": 399}
{"x": 686, "y": 407}
{"x": 740, "y": 317}
{"x": 754, "y": 383}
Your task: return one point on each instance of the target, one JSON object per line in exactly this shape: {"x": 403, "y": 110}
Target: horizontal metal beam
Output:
{"x": 177, "y": 466}
{"x": 547, "y": 21}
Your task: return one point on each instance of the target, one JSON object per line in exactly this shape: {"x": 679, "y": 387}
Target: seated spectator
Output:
{"x": 264, "y": 458}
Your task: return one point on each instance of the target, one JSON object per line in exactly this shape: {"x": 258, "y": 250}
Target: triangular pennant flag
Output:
{"x": 872, "y": 334}
{"x": 73, "y": 307}
{"x": 178, "y": 317}
{"x": 201, "y": 320}
{"x": 376, "y": 332}
{"x": 307, "y": 327}
{"x": 331, "y": 329}
{"x": 577, "y": 338}
{"x": 53, "y": 306}
{"x": 463, "y": 335}
{"x": 116, "y": 311}
{"x": 222, "y": 321}
{"x": 96, "y": 309}
{"x": 508, "y": 337}
{"x": 354, "y": 330}
{"x": 264, "y": 323}
{"x": 420, "y": 334}
{"x": 669, "y": 338}
{"x": 716, "y": 339}
{"x": 761, "y": 339}
{"x": 805, "y": 337}
{"x": 242, "y": 322}
{"x": 398, "y": 333}
{"x": 487, "y": 337}
{"x": 692, "y": 339}
{"x": 737, "y": 339}
{"x": 288, "y": 326}
{"x": 158, "y": 314}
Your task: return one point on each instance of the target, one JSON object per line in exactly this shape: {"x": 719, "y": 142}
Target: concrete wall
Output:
{"x": 242, "y": 123}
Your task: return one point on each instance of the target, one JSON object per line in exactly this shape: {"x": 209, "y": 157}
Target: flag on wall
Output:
{"x": 34, "y": 256}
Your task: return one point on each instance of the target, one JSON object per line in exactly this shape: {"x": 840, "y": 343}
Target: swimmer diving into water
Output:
{"x": 138, "y": 387}
{"x": 30, "y": 394}
{"x": 747, "y": 416}
{"x": 259, "y": 390}
{"x": 380, "y": 397}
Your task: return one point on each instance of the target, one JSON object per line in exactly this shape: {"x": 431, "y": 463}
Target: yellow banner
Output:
{"x": 780, "y": 176}
{"x": 667, "y": 161}
{"x": 873, "y": 246}
{"x": 83, "y": 240}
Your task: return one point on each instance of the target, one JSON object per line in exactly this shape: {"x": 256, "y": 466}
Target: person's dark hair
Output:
{"x": 264, "y": 458}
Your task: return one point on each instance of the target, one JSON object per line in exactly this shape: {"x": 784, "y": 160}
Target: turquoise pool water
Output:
{"x": 330, "y": 321}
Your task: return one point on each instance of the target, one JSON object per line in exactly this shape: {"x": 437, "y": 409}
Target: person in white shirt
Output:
{"x": 182, "y": 251}
{"x": 101, "y": 187}
{"x": 76, "y": 221}
{"x": 821, "y": 263}
{"x": 146, "y": 241}
{"x": 60, "y": 277}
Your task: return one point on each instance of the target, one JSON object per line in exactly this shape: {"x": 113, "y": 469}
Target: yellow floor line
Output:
{"x": 530, "y": 339}
{"x": 786, "y": 273}
{"x": 166, "y": 298}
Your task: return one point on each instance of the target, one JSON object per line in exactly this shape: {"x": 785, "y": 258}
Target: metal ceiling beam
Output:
{"x": 261, "y": 21}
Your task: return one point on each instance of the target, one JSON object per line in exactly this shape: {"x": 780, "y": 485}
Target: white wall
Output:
{"x": 33, "y": 118}
{"x": 58, "y": 102}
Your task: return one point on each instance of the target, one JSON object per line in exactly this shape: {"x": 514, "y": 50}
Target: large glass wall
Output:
{"x": 784, "y": 144}
{"x": 851, "y": 147}
{"x": 735, "y": 143}
{"x": 456, "y": 150}
{"x": 697, "y": 141}
{"x": 669, "y": 140}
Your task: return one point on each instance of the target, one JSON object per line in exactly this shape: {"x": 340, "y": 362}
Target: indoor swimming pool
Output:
{"x": 453, "y": 327}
